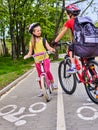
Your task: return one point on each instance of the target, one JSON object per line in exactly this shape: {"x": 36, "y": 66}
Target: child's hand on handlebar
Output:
{"x": 53, "y": 43}
{"x": 26, "y": 57}
{"x": 52, "y": 50}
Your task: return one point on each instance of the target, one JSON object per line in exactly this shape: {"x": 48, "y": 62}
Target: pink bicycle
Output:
{"x": 45, "y": 82}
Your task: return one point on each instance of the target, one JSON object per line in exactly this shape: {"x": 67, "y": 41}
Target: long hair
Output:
{"x": 33, "y": 42}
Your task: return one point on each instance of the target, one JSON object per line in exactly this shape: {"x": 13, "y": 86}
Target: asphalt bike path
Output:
{"x": 80, "y": 112}
{"x": 21, "y": 109}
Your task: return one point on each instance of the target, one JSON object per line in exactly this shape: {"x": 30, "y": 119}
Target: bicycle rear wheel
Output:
{"x": 45, "y": 89}
{"x": 91, "y": 78}
{"x": 67, "y": 81}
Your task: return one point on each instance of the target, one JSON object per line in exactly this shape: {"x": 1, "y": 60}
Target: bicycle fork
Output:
{"x": 44, "y": 73}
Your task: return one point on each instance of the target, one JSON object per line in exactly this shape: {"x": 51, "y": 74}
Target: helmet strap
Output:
{"x": 70, "y": 15}
{"x": 35, "y": 36}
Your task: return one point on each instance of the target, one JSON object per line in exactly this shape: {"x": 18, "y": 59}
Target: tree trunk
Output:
{"x": 5, "y": 50}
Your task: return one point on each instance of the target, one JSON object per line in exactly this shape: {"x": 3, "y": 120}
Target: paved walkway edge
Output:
{"x": 4, "y": 90}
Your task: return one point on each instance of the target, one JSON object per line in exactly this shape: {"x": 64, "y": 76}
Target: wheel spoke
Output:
{"x": 92, "y": 79}
{"x": 45, "y": 89}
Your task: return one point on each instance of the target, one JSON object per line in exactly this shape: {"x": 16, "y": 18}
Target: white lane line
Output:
{"x": 61, "y": 124}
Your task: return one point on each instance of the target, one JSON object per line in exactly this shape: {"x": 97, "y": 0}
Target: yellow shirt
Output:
{"x": 39, "y": 47}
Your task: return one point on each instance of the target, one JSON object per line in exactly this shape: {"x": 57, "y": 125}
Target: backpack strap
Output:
{"x": 44, "y": 43}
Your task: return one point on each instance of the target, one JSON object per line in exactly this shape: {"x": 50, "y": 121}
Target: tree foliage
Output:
{"x": 17, "y": 15}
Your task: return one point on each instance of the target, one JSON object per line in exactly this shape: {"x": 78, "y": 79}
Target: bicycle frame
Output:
{"x": 43, "y": 73}
{"x": 81, "y": 67}
{"x": 84, "y": 70}
{"x": 42, "y": 66}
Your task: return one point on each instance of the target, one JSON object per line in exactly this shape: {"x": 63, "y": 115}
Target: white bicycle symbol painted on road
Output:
{"x": 87, "y": 106}
{"x": 10, "y": 115}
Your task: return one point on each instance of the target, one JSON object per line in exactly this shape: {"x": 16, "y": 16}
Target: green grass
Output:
{"x": 10, "y": 70}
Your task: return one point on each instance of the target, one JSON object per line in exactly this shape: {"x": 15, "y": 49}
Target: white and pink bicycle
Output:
{"x": 45, "y": 82}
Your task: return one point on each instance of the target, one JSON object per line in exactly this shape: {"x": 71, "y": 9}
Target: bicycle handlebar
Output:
{"x": 42, "y": 53}
{"x": 38, "y": 54}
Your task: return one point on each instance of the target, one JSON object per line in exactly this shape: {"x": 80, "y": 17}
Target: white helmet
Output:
{"x": 32, "y": 26}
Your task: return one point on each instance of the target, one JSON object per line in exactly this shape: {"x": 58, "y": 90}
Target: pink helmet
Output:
{"x": 72, "y": 9}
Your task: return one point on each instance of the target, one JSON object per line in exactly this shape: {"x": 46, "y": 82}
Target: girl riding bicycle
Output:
{"x": 36, "y": 45}
{"x": 72, "y": 12}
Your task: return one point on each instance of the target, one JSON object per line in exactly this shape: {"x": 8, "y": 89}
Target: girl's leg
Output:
{"x": 71, "y": 57}
{"x": 49, "y": 74}
{"x": 72, "y": 69}
{"x": 38, "y": 71}
{"x": 47, "y": 69}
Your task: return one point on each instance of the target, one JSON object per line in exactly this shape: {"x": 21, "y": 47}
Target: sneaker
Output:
{"x": 54, "y": 87}
{"x": 71, "y": 70}
{"x": 40, "y": 94}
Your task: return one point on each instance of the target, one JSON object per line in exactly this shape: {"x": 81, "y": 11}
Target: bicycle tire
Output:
{"x": 91, "y": 86}
{"x": 67, "y": 82}
{"x": 45, "y": 89}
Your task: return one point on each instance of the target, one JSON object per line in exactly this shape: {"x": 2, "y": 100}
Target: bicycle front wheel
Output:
{"x": 45, "y": 89}
{"x": 67, "y": 81}
{"x": 91, "y": 78}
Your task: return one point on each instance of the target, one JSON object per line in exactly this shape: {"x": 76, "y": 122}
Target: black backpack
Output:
{"x": 85, "y": 37}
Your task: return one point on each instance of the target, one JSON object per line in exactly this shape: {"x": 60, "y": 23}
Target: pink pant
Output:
{"x": 46, "y": 68}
